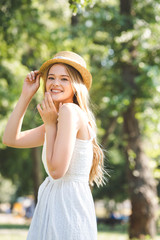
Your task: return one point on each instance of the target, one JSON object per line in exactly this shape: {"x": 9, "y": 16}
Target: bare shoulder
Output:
{"x": 69, "y": 108}
{"x": 72, "y": 110}
{"x": 66, "y": 107}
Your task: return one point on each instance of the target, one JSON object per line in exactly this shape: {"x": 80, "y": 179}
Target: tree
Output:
{"x": 32, "y": 31}
{"x": 142, "y": 185}
{"x": 120, "y": 40}
{"x": 124, "y": 58}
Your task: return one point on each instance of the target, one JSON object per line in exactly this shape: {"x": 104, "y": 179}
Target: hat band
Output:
{"x": 69, "y": 59}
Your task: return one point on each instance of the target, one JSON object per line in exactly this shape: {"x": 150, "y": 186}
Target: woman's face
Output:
{"x": 58, "y": 84}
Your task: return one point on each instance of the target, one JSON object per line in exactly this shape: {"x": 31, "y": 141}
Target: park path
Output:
{"x": 12, "y": 219}
{"x": 15, "y": 233}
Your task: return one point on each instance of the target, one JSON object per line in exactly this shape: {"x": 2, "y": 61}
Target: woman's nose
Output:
{"x": 56, "y": 81}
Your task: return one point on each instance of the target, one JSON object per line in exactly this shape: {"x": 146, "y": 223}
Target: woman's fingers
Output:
{"x": 37, "y": 80}
{"x": 47, "y": 103}
{"x": 32, "y": 75}
{"x": 46, "y": 100}
{"x": 50, "y": 101}
{"x": 47, "y": 110}
{"x": 60, "y": 105}
{"x": 39, "y": 109}
{"x": 36, "y": 72}
{"x": 38, "y": 76}
{"x": 44, "y": 105}
{"x": 28, "y": 77}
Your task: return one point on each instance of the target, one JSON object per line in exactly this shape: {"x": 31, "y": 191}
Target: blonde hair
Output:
{"x": 81, "y": 98}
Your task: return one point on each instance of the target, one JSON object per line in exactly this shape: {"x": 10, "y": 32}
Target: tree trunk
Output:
{"x": 110, "y": 128}
{"x": 73, "y": 29}
{"x": 142, "y": 186}
{"x": 74, "y": 20}
{"x": 37, "y": 171}
{"x": 125, "y": 7}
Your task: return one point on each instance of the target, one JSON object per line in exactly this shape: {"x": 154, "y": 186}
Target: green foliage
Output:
{"x": 17, "y": 166}
{"x": 116, "y": 185}
{"x": 7, "y": 190}
{"x": 77, "y": 5}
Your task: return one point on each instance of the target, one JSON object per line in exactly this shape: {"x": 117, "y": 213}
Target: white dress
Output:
{"x": 65, "y": 208}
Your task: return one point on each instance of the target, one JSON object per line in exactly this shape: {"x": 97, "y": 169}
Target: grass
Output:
{"x": 22, "y": 234}
{"x": 118, "y": 232}
{"x": 19, "y": 232}
{"x": 13, "y": 226}
{"x": 118, "y": 228}
{"x": 111, "y": 236}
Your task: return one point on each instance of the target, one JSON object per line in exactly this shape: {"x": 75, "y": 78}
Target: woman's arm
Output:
{"x": 60, "y": 138}
{"x": 64, "y": 142}
{"x": 48, "y": 113}
{"x": 13, "y": 136}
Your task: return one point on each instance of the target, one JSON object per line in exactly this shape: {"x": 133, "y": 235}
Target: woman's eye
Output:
{"x": 64, "y": 79}
{"x": 51, "y": 78}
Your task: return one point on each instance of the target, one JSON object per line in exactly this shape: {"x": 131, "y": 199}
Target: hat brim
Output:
{"x": 86, "y": 76}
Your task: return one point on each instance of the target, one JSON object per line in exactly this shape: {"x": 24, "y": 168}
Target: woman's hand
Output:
{"x": 47, "y": 110}
{"x": 31, "y": 83}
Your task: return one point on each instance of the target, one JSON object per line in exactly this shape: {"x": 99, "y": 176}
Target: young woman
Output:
{"x": 71, "y": 156}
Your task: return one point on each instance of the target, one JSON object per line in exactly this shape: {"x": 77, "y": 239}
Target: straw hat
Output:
{"x": 73, "y": 60}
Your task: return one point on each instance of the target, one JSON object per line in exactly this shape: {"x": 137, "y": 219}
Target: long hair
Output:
{"x": 81, "y": 98}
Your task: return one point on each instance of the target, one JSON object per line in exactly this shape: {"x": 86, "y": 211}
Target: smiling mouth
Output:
{"x": 55, "y": 91}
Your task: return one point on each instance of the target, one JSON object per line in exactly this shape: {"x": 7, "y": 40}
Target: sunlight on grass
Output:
{"x": 16, "y": 235}
{"x": 23, "y": 234}
{"x": 112, "y": 236}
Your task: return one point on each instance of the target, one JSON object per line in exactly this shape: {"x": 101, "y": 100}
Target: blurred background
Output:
{"x": 119, "y": 39}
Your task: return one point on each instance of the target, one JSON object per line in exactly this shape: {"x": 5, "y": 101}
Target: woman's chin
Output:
{"x": 61, "y": 100}
{"x": 56, "y": 99}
